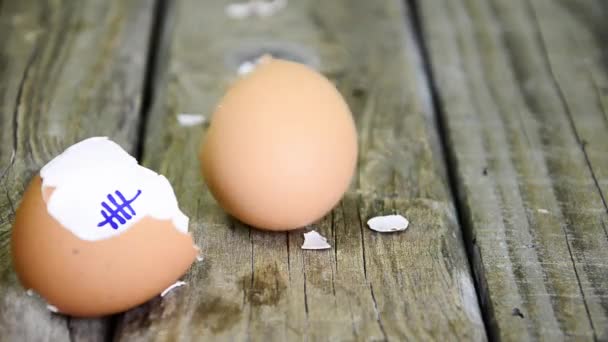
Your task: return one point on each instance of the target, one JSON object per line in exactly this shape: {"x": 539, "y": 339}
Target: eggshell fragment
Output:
{"x": 238, "y": 10}
{"x": 174, "y": 286}
{"x": 269, "y": 8}
{"x": 388, "y": 224}
{"x": 314, "y": 240}
{"x": 262, "y": 8}
{"x": 246, "y": 67}
{"x": 190, "y": 119}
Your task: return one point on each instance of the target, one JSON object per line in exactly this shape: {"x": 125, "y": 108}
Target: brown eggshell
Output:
{"x": 281, "y": 148}
{"x": 94, "y": 278}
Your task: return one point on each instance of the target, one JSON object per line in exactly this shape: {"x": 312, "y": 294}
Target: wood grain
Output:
{"x": 68, "y": 70}
{"x": 255, "y": 285}
{"x": 522, "y": 90}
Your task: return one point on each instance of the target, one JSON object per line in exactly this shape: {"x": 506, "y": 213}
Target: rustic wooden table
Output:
{"x": 482, "y": 121}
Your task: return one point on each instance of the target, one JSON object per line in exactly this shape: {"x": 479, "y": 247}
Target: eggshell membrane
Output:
{"x": 94, "y": 278}
{"x": 281, "y": 148}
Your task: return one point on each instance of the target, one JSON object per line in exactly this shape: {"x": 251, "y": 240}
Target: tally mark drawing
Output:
{"x": 122, "y": 212}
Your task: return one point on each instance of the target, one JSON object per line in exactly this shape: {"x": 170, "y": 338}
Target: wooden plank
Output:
{"x": 68, "y": 70}
{"x": 262, "y": 286}
{"x": 520, "y": 86}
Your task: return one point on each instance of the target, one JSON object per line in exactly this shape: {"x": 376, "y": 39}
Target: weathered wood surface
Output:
{"x": 523, "y": 92}
{"x": 261, "y": 286}
{"x": 68, "y": 70}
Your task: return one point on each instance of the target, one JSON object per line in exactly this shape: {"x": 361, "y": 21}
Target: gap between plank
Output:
{"x": 156, "y": 33}
{"x": 18, "y": 100}
{"x": 416, "y": 23}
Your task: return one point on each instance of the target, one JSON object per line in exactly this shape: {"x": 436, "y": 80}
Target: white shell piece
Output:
{"x": 389, "y": 223}
{"x": 52, "y": 308}
{"x": 87, "y": 173}
{"x": 314, "y": 240}
{"x": 246, "y": 67}
{"x": 238, "y": 10}
{"x": 260, "y": 8}
{"x": 199, "y": 256}
{"x": 249, "y": 66}
{"x": 170, "y": 288}
{"x": 188, "y": 119}
{"x": 269, "y": 8}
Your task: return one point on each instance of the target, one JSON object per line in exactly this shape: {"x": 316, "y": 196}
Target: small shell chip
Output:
{"x": 238, "y": 10}
{"x": 388, "y": 224}
{"x": 314, "y": 240}
{"x": 170, "y": 288}
{"x": 242, "y": 10}
{"x": 246, "y": 67}
{"x": 187, "y": 119}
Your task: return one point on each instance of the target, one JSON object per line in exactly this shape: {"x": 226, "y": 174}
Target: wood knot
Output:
{"x": 266, "y": 288}
{"x": 517, "y": 312}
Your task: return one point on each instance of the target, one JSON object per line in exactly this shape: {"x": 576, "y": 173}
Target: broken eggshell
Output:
{"x": 388, "y": 224}
{"x": 97, "y": 234}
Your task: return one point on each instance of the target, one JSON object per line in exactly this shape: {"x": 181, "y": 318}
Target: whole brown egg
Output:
{"x": 281, "y": 148}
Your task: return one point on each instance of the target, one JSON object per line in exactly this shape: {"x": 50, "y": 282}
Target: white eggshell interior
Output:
{"x": 87, "y": 172}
